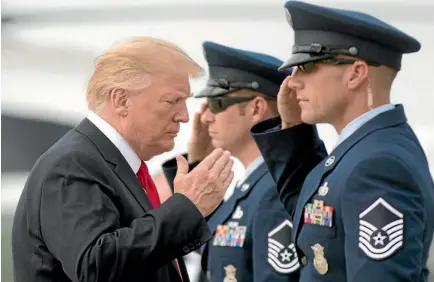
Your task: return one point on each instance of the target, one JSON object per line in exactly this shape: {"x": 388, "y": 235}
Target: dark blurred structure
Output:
{"x": 24, "y": 140}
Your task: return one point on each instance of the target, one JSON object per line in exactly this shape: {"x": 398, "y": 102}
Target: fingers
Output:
{"x": 203, "y": 107}
{"x": 219, "y": 165}
{"x": 228, "y": 180}
{"x": 226, "y": 170}
{"x": 209, "y": 161}
{"x": 196, "y": 122}
{"x": 293, "y": 83}
{"x": 182, "y": 165}
{"x": 284, "y": 86}
{"x": 287, "y": 91}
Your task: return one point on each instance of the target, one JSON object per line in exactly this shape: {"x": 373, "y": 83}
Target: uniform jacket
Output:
{"x": 364, "y": 211}
{"x": 251, "y": 230}
{"x": 252, "y": 233}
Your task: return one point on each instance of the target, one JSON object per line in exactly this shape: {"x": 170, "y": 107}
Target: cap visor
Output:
{"x": 211, "y": 92}
{"x": 302, "y": 58}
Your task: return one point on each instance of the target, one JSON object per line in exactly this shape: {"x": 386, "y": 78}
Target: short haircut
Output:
{"x": 130, "y": 65}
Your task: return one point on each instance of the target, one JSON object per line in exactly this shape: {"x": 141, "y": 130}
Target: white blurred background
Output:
{"x": 48, "y": 49}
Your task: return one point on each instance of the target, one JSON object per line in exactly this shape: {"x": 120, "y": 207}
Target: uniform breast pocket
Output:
{"x": 319, "y": 219}
{"x": 313, "y": 230}
{"x": 228, "y": 249}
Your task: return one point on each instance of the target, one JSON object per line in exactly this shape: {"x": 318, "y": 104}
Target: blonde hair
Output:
{"x": 130, "y": 65}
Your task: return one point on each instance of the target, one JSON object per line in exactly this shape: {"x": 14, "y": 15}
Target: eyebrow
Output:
{"x": 184, "y": 95}
{"x": 179, "y": 94}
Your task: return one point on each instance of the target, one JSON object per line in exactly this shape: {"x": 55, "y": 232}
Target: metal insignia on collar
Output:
{"x": 381, "y": 228}
{"x": 323, "y": 190}
{"x": 244, "y": 187}
{"x": 288, "y": 17}
{"x": 238, "y": 213}
{"x": 330, "y": 161}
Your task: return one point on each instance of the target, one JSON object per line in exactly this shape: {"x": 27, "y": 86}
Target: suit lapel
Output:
{"x": 386, "y": 119}
{"x": 127, "y": 176}
{"x": 123, "y": 170}
{"x": 112, "y": 155}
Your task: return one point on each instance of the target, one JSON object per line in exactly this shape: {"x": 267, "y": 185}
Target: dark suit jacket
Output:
{"x": 83, "y": 216}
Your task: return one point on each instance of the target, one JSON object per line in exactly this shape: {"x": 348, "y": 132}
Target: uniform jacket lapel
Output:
{"x": 226, "y": 209}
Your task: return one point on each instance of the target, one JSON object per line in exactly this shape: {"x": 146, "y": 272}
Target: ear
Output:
{"x": 259, "y": 110}
{"x": 358, "y": 74}
{"x": 119, "y": 101}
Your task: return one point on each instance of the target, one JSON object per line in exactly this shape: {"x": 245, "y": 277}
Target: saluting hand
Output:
{"x": 287, "y": 104}
{"x": 200, "y": 144}
{"x": 207, "y": 183}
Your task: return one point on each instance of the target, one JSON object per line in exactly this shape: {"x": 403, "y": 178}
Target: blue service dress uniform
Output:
{"x": 252, "y": 231}
{"x": 251, "y": 234}
{"x": 363, "y": 213}
{"x": 259, "y": 246}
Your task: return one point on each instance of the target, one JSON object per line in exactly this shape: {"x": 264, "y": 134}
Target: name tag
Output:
{"x": 230, "y": 236}
{"x": 318, "y": 214}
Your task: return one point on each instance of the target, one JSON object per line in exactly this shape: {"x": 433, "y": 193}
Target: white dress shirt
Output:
{"x": 130, "y": 156}
{"x": 250, "y": 169}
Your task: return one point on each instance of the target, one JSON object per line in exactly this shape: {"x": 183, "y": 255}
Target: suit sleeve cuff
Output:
{"x": 190, "y": 220}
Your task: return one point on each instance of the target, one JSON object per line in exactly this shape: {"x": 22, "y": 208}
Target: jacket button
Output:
{"x": 304, "y": 260}
{"x": 186, "y": 249}
{"x": 191, "y": 246}
{"x": 197, "y": 243}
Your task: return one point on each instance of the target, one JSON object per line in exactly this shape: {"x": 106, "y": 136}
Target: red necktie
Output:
{"x": 148, "y": 184}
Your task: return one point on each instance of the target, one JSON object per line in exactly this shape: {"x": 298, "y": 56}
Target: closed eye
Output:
{"x": 174, "y": 101}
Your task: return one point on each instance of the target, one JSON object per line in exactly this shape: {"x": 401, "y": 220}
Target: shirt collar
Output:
{"x": 355, "y": 124}
{"x": 113, "y": 135}
{"x": 250, "y": 169}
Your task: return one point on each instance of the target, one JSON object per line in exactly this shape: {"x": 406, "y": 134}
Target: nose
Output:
{"x": 207, "y": 116}
{"x": 182, "y": 115}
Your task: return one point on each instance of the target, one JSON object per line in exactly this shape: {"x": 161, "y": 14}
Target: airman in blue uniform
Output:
{"x": 252, "y": 230}
{"x": 364, "y": 212}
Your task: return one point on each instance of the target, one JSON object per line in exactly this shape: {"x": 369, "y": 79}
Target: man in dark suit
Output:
{"x": 364, "y": 212}
{"x": 251, "y": 229}
{"x": 89, "y": 210}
